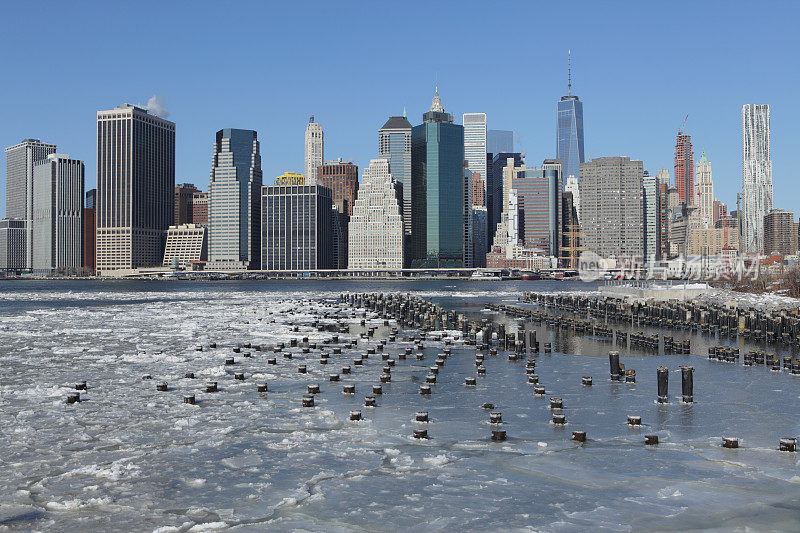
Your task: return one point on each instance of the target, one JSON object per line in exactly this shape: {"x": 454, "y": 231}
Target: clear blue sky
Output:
{"x": 639, "y": 68}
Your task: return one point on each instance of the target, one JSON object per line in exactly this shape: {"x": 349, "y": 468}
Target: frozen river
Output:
{"x": 131, "y": 458}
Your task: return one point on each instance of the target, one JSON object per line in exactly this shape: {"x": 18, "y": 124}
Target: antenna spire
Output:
{"x": 569, "y": 72}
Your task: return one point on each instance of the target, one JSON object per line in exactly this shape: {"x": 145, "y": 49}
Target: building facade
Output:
{"x": 651, "y": 218}
{"x": 704, "y": 190}
{"x": 13, "y": 234}
{"x": 780, "y": 233}
{"x": 341, "y": 177}
{"x": 569, "y": 146}
{"x": 314, "y": 150}
{"x": 475, "y": 142}
{"x": 20, "y": 160}
{"x": 684, "y": 168}
{"x": 58, "y": 188}
{"x": 394, "y": 144}
{"x": 478, "y": 191}
{"x": 480, "y": 236}
{"x": 234, "y": 240}
{"x": 186, "y": 244}
{"x": 756, "y": 176}
{"x": 135, "y": 188}
{"x": 612, "y": 207}
{"x": 376, "y": 227}
{"x": 184, "y": 197}
{"x": 499, "y": 141}
{"x": 539, "y": 199}
{"x": 437, "y": 182}
{"x": 296, "y": 227}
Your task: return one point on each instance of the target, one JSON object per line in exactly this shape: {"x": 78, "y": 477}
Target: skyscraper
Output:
{"x": 394, "y": 144}
{"x": 569, "y": 147}
{"x": 756, "y": 176}
{"x": 58, "y": 183}
{"x": 684, "y": 168}
{"x": 498, "y": 141}
{"x": 20, "y": 160}
{"x": 437, "y": 180}
{"x": 296, "y": 227}
{"x": 314, "y": 151}
{"x": 478, "y": 191}
{"x": 135, "y": 187}
{"x": 235, "y": 202}
{"x": 341, "y": 177}
{"x": 612, "y": 207}
{"x": 13, "y": 233}
{"x": 184, "y": 196}
{"x": 705, "y": 190}
{"x": 651, "y": 216}
{"x": 475, "y": 143}
{"x": 376, "y": 227}
{"x": 538, "y": 193}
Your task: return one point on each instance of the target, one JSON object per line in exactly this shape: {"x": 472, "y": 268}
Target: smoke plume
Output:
{"x": 156, "y": 107}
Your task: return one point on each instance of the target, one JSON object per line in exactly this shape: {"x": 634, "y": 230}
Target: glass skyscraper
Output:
{"x": 569, "y": 140}
{"x": 235, "y": 206}
{"x": 499, "y": 141}
{"x": 437, "y": 184}
{"x": 394, "y": 144}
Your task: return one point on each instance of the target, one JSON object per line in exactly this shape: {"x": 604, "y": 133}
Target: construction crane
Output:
{"x": 680, "y": 130}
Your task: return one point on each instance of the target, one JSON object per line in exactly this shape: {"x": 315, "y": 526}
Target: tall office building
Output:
{"x": 296, "y": 227}
{"x": 20, "y": 160}
{"x": 437, "y": 179}
{"x": 200, "y": 208}
{"x": 184, "y": 197}
{"x": 539, "y": 199}
{"x": 499, "y": 141}
{"x": 467, "y": 211}
{"x": 135, "y": 187}
{"x": 651, "y": 216}
{"x": 684, "y": 168}
{"x": 376, "y": 227}
{"x": 13, "y": 234}
{"x": 570, "y": 232}
{"x": 475, "y": 143}
{"x": 90, "y": 232}
{"x": 780, "y": 232}
{"x": 704, "y": 190}
{"x": 58, "y": 183}
{"x": 341, "y": 177}
{"x": 495, "y": 194}
{"x": 612, "y": 207}
{"x": 394, "y": 144}
{"x": 569, "y": 146}
{"x": 314, "y": 150}
{"x": 480, "y": 242}
{"x": 235, "y": 202}
{"x": 756, "y": 176}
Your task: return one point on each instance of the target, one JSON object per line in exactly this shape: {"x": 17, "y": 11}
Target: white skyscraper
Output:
{"x": 650, "y": 193}
{"x": 20, "y": 160}
{"x": 756, "y": 176}
{"x": 58, "y": 215}
{"x": 376, "y": 227}
{"x": 663, "y": 177}
{"x": 315, "y": 150}
{"x": 475, "y": 143}
{"x": 704, "y": 190}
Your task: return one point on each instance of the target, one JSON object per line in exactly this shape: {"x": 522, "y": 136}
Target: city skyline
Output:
{"x": 351, "y": 114}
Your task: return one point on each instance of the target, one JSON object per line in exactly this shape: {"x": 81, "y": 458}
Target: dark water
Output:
{"x": 132, "y": 458}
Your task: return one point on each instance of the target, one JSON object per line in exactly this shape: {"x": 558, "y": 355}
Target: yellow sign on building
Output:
{"x": 290, "y": 178}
